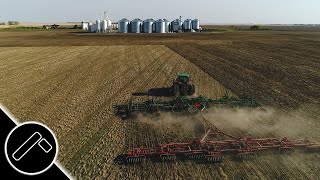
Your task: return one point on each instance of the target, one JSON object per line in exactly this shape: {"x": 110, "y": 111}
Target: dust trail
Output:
{"x": 172, "y": 122}
{"x": 265, "y": 122}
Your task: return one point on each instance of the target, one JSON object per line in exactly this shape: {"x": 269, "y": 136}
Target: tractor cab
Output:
{"x": 183, "y": 78}
{"x": 182, "y": 85}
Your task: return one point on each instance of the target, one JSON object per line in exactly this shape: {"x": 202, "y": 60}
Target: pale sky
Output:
{"x": 208, "y": 11}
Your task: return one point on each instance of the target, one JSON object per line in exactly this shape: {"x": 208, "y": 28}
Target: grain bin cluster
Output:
{"x": 100, "y": 26}
{"x": 158, "y": 26}
{"x": 143, "y": 26}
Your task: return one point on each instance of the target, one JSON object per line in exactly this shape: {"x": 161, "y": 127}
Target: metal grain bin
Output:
{"x": 104, "y": 26}
{"x": 123, "y": 25}
{"x": 90, "y": 25}
{"x": 148, "y": 26}
{"x": 98, "y": 26}
{"x": 176, "y": 25}
{"x": 109, "y": 24}
{"x": 160, "y": 26}
{"x": 154, "y": 27}
{"x": 93, "y": 28}
{"x": 136, "y": 25}
{"x": 196, "y": 25}
{"x": 187, "y": 25}
{"x": 167, "y": 25}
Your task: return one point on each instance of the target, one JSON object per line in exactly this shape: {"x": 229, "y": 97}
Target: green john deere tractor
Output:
{"x": 183, "y": 86}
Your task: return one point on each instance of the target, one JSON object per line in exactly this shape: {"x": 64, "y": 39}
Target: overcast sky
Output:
{"x": 208, "y": 11}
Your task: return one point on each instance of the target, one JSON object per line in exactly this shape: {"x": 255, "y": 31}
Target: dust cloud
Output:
{"x": 260, "y": 123}
{"x": 264, "y": 122}
{"x": 166, "y": 121}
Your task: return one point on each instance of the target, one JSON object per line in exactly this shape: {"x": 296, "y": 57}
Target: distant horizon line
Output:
{"x": 204, "y": 23}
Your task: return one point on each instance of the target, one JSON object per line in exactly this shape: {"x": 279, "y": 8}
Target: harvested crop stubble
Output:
{"x": 72, "y": 90}
{"x": 66, "y": 81}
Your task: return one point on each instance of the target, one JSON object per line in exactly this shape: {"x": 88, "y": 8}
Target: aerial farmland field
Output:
{"x": 70, "y": 81}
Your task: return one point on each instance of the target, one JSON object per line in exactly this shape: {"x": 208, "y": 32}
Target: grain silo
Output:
{"x": 136, "y": 26}
{"x": 148, "y": 25}
{"x": 160, "y": 26}
{"x": 154, "y": 27}
{"x": 176, "y": 25}
{"x": 187, "y": 25}
{"x": 98, "y": 26}
{"x": 167, "y": 25}
{"x": 90, "y": 26}
{"x": 109, "y": 25}
{"x": 85, "y": 26}
{"x": 123, "y": 25}
{"x": 93, "y": 28}
{"x": 196, "y": 25}
{"x": 104, "y": 26}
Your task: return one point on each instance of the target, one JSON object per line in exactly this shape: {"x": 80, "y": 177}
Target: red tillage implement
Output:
{"x": 214, "y": 151}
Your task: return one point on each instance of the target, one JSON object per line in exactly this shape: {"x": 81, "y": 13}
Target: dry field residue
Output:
{"x": 70, "y": 81}
{"x": 72, "y": 90}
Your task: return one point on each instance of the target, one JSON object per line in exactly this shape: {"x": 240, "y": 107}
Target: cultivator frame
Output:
{"x": 180, "y": 104}
{"x": 214, "y": 151}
